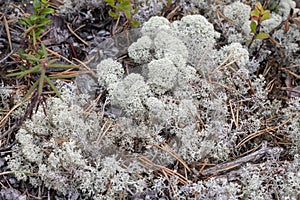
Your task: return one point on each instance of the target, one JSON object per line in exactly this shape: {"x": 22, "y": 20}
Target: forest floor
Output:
{"x": 74, "y": 39}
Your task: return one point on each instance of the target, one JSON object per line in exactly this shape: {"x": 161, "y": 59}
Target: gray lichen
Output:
{"x": 130, "y": 94}
{"x": 180, "y": 108}
{"x": 109, "y": 72}
{"x": 162, "y": 75}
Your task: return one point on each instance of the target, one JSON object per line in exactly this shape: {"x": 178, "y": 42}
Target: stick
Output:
{"x": 235, "y": 163}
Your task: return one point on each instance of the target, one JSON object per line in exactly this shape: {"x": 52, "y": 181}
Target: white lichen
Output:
{"x": 130, "y": 94}
{"x": 238, "y": 12}
{"x": 162, "y": 75}
{"x": 240, "y": 54}
{"x": 109, "y": 72}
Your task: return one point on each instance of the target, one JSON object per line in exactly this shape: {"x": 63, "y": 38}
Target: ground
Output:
{"x": 74, "y": 39}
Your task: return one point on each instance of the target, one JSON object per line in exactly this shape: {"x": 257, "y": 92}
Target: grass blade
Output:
{"x": 31, "y": 89}
{"x": 24, "y": 73}
{"x": 62, "y": 77}
{"x": 41, "y": 82}
{"x": 63, "y": 66}
{"x": 52, "y": 86}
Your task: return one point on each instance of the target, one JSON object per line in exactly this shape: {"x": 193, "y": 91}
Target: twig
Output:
{"x": 234, "y": 117}
{"x": 172, "y": 153}
{"x": 60, "y": 56}
{"x": 7, "y": 33}
{"x": 235, "y": 60}
{"x": 292, "y": 73}
{"x": 233, "y": 164}
{"x": 153, "y": 166}
{"x": 103, "y": 132}
{"x": 70, "y": 29}
{"x": 172, "y": 13}
{"x": 6, "y": 148}
{"x": 260, "y": 132}
{"x": 90, "y": 71}
{"x": 13, "y": 108}
{"x": 8, "y": 131}
{"x": 170, "y": 183}
{"x": 181, "y": 178}
{"x": 81, "y": 26}
{"x": 4, "y": 13}
{"x": 226, "y": 18}
{"x": 293, "y": 66}
{"x": 9, "y": 54}
{"x": 224, "y": 86}
{"x": 224, "y": 61}
{"x": 116, "y": 26}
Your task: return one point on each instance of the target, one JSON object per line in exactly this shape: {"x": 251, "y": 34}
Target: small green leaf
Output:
{"x": 259, "y": 7}
{"x": 25, "y": 21}
{"x": 113, "y": 14}
{"x": 46, "y": 11}
{"x": 110, "y": 2}
{"x": 44, "y": 51}
{"x": 266, "y": 15}
{"x": 33, "y": 18}
{"x": 135, "y": 23}
{"x": 36, "y": 4}
{"x": 40, "y": 53}
{"x": 24, "y": 73}
{"x": 15, "y": 74}
{"x": 255, "y": 13}
{"x": 29, "y": 29}
{"x": 262, "y": 35}
{"x": 253, "y": 26}
{"x": 127, "y": 14}
{"x": 39, "y": 30}
{"x": 44, "y": 21}
{"x": 125, "y": 6}
{"x": 31, "y": 89}
{"x": 31, "y": 71}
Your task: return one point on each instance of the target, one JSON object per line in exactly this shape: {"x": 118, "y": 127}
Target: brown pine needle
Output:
{"x": 7, "y": 32}
{"x": 79, "y": 38}
{"x": 172, "y": 153}
{"x": 2, "y": 122}
{"x": 260, "y": 132}
{"x": 234, "y": 117}
{"x": 170, "y": 183}
{"x": 90, "y": 71}
{"x": 60, "y": 56}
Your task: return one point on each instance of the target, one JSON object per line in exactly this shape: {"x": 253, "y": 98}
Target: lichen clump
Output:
{"x": 181, "y": 107}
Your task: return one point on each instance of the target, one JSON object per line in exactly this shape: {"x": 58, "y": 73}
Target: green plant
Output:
{"x": 258, "y": 15}
{"x": 35, "y": 56}
{"x": 40, "y": 64}
{"x": 38, "y": 21}
{"x": 123, "y": 6}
